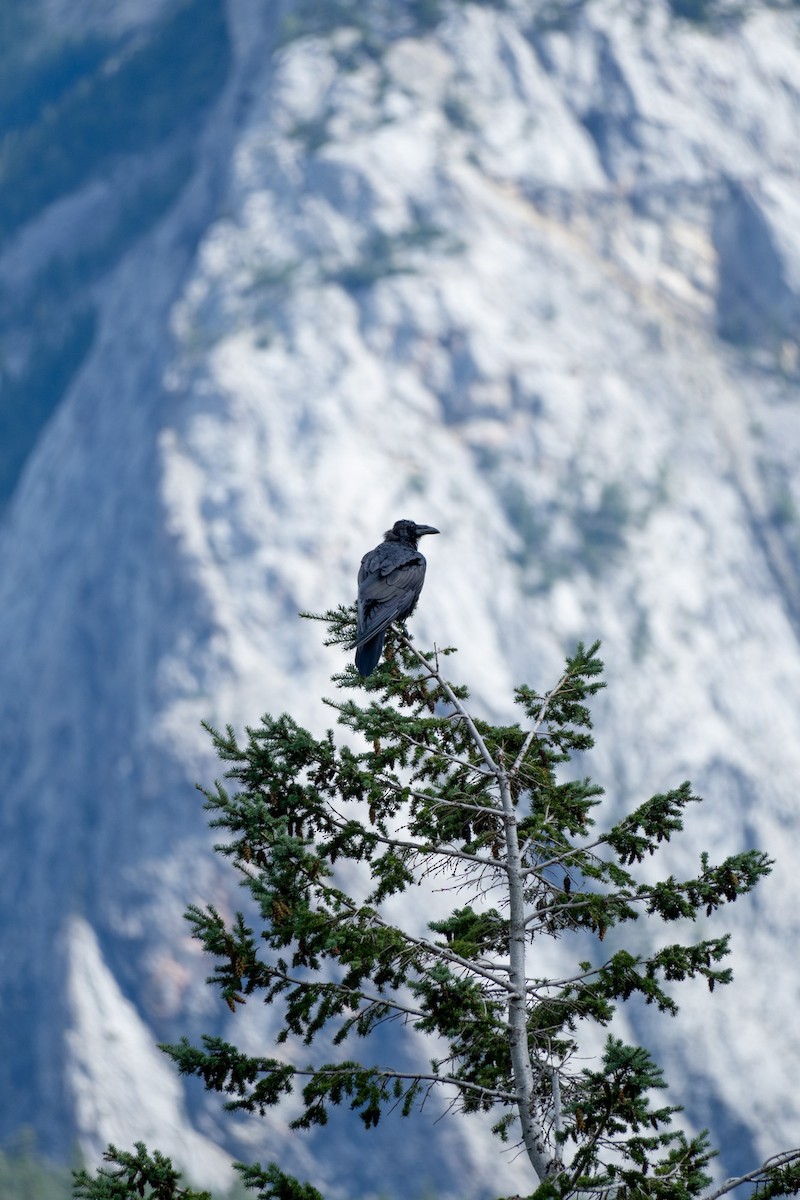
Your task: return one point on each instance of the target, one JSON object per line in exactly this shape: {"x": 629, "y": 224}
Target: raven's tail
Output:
{"x": 367, "y": 655}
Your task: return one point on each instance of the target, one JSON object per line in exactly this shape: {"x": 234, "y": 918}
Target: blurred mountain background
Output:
{"x": 273, "y": 275}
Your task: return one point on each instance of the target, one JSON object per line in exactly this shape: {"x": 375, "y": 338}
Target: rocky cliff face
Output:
{"x": 529, "y": 272}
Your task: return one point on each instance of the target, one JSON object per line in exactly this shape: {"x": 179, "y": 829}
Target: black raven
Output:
{"x": 389, "y": 583}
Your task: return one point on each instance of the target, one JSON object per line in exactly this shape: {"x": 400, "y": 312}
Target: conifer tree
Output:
{"x": 423, "y": 792}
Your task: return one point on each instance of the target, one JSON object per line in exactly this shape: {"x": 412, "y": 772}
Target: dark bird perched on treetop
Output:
{"x": 389, "y": 583}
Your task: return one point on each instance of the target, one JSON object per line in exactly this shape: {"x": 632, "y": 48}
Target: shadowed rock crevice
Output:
{"x": 755, "y": 305}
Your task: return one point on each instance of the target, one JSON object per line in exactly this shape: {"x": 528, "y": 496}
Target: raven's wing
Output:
{"x": 388, "y": 588}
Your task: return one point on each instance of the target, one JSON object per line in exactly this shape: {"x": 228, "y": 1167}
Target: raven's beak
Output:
{"x": 423, "y": 529}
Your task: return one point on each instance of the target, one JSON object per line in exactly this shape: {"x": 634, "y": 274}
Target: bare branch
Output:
{"x": 437, "y": 800}
{"x": 448, "y": 955}
{"x": 534, "y": 732}
{"x": 387, "y": 1073}
{"x": 457, "y": 705}
{"x": 425, "y": 850}
{"x": 460, "y": 762}
{"x": 760, "y": 1173}
{"x": 401, "y": 1010}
